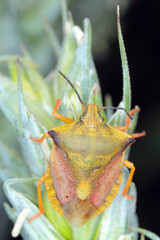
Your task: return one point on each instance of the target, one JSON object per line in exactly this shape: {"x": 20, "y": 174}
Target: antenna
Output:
{"x": 119, "y": 108}
{"x": 83, "y": 107}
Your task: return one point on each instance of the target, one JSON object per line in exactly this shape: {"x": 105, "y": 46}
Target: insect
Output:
{"x": 84, "y": 173}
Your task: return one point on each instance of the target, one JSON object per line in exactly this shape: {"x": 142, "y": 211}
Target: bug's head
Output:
{"x": 91, "y": 114}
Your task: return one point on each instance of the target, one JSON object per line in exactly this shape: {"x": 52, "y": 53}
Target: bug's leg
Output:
{"x": 41, "y": 180}
{"x": 40, "y": 139}
{"x": 132, "y": 167}
{"x": 137, "y": 135}
{"x": 123, "y": 128}
{"x": 59, "y": 116}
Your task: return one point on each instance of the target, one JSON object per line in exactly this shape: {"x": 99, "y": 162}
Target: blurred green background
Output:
{"x": 23, "y": 25}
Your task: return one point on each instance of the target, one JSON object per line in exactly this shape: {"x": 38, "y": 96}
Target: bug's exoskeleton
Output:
{"x": 85, "y": 168}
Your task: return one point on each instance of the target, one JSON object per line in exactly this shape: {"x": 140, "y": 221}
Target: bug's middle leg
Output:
{"x": 40, "y": 140}
{"x": 137, "y": 135}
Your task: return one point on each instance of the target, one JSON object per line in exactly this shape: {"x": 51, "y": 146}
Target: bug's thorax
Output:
{"x": 91, "y": 116}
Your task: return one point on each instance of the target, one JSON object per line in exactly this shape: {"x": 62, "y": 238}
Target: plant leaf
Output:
{"x": 82, "y": 69}
{"x": 33, "y": 153}
{"x": 11, "y": 164}
{"x": 147, "y": 233}
{"x": 8, "y": 100}
{"x": 126, "y": 76}
{"x": 83, "y": 72}
{"x": 88, "y": 231}
{"x": 120, "y": 214}
{"x": 52, "y": 38}
{"x": 14, "y": 58}
{"x": 118, "y": 119}
{"x": 36, "y": 230}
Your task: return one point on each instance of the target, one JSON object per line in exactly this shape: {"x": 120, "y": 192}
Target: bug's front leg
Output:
{"x": 128, "y": 119}
{"x": 131, "y": 166}
{"x": 123, "y": 128}
{"x": 41, "y": 180}
{"x": 59, "y": 116}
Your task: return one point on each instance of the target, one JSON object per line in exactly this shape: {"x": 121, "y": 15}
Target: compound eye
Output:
{"x": 81, "y": 118}
{"x": 102, "y": 119}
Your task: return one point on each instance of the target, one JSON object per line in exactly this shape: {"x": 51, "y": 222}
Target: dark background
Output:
{"x": 141, "y": 31}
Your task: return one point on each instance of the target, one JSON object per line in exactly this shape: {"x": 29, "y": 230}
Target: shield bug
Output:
{"x": 84, "y": 173}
